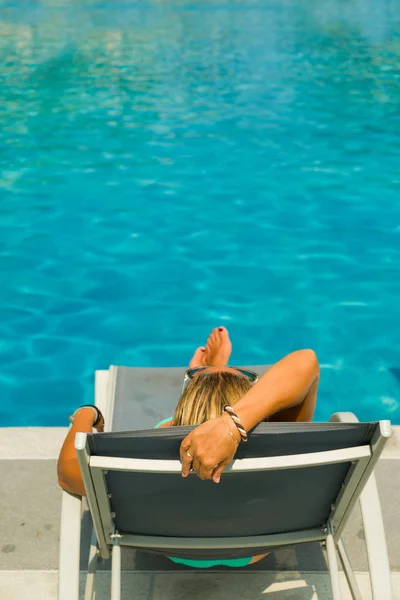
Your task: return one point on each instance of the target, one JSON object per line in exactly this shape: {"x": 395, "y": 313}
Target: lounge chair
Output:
{"x": 291, "y": 483}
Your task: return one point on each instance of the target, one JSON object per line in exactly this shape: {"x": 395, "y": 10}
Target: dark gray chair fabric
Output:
{"x": 242, "y": 504}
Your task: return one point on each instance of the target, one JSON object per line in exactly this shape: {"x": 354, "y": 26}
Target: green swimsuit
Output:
{"x": 206, "y": 564}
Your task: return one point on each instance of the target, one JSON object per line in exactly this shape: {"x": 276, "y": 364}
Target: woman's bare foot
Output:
{"x": 216, "y": 352}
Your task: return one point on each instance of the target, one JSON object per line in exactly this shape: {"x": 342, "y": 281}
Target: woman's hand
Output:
{"x": 212, "y": 448}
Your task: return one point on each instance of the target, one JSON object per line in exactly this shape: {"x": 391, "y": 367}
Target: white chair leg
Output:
{"x": 351, "y": 580}
{"x": 116, "y": 570}
{"x": 333, "y": 567}
{"x": 70, "y": 538}
{"x": 92, "y": 568}
{"x": 378, "y": 559}
{"x": 375, "y": 540}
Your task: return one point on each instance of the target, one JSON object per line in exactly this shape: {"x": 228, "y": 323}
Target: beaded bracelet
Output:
{"x": 237, "y": 422}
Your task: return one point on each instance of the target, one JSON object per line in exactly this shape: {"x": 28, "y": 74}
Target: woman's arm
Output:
{"x": 283, "y": 390}
{"x": 286, "y": 392}
{"x": 68, "y": 471}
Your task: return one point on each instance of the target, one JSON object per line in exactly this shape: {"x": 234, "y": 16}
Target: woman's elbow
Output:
{"x": 69, "y": 477}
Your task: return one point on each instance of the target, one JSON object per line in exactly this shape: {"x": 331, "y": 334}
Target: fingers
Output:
{"x": 206, "y": 457}
{"x": 216, "y": 474}
{"x": 204, "y": 470}
{"x": 186, "y": 465}
{"x": 185, "y": 459}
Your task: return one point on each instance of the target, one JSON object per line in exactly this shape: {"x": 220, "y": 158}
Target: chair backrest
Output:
{"x": 286, "y": 480}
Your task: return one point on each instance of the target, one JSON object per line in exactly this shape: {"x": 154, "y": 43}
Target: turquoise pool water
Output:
{"x": 167, "y": 167}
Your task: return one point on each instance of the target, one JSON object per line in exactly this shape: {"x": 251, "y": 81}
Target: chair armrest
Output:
{"x": 343, "y": 417}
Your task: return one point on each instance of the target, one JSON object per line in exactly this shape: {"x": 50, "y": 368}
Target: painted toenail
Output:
{"x": 220, "y": 328}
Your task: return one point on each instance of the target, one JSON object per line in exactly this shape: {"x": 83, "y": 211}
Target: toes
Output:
{"x": 218, "y": 334}
{"x": 212, "y": 337}
{"x": 223, "y": 333}
{"x": 198, "y": 357}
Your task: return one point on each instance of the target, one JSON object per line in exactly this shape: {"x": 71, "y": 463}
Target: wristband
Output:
{"x": 96, "y": 410}
{"x": 237, "y": 422}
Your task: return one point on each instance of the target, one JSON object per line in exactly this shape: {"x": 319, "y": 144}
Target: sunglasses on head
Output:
{"x": 190, "y": 373}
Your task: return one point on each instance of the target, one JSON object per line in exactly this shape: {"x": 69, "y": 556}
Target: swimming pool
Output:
{"x": 167, "y": 167}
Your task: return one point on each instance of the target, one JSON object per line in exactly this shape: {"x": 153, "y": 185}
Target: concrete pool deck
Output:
{"x": 29, "y": 534}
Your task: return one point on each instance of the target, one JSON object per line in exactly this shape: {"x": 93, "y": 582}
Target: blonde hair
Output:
{"x": 206, "y": 395}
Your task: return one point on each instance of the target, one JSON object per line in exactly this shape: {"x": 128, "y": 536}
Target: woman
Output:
{"x": 286, "y": 392}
